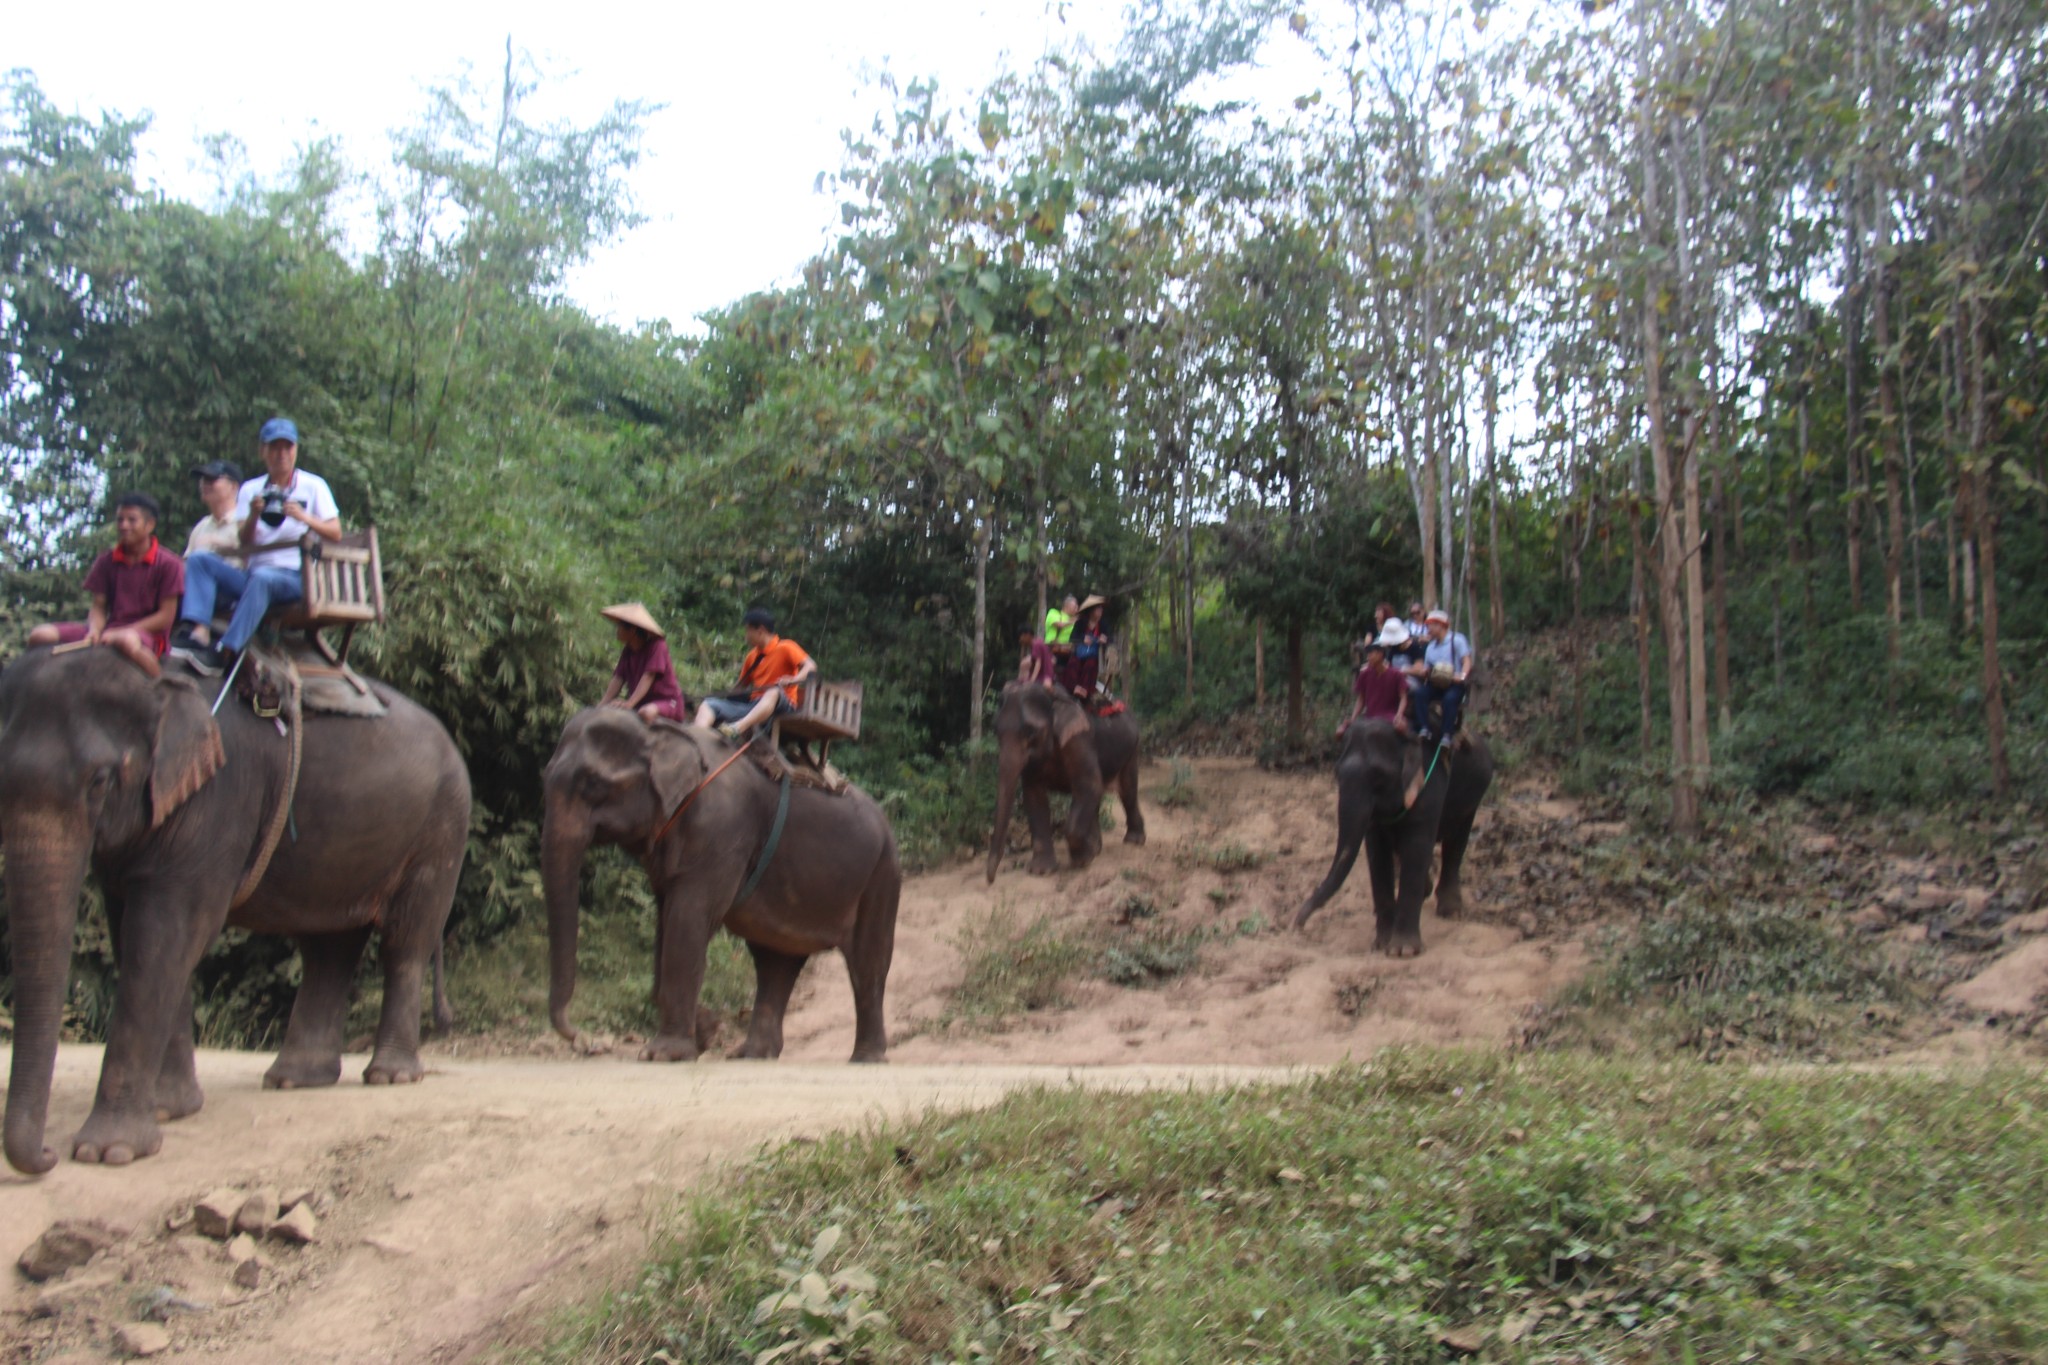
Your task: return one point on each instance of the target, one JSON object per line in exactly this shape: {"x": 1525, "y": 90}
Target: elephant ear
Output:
{"x": 1070, "y": 722}
{"x": 673, "y": 766}
{"x": 187, "y": 752}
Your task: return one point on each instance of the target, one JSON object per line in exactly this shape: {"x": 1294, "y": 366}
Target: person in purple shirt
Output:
{"x": 135, "y": 589}
{"x": 645, "y": 679}
{"x": 1036, "y": 664}
{"x": 1381, "y": 692}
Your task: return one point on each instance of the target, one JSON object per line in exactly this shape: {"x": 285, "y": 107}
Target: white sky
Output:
{"x": 756, "y": 97}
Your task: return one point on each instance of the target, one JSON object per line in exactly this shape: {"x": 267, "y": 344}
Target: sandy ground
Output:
{"x": 462, "y": 1208}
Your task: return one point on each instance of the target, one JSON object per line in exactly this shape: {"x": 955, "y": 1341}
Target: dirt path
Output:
{"x": 502, "y": 1186}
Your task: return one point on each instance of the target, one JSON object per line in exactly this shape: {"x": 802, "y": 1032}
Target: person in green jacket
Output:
{"x": 1059, "y": 625}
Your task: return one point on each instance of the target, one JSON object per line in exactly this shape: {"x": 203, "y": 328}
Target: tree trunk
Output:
{"x": 1639, "y": 608}
{"x": 1671, "y": 538}
{"x": 980, "y": 671}
{"x": 1888, "y": 418}
{"x": 1983, "y": 502}
{"x": 1721, "y": 690}
{"x": 1294, "y": 698}
{"x": 1259, "y": 663}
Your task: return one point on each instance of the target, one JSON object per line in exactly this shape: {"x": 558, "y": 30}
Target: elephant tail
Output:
{"x": 444, "y": 1013}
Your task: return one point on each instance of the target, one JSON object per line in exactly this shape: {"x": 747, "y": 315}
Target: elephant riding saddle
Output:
{"x": 330, "y": 689}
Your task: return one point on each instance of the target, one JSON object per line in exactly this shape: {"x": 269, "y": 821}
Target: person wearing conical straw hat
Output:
{"x": 1079, "y": 670}
{"x": 645, "y": 679}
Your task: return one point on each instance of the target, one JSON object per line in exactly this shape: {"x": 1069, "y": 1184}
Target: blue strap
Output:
{"x": 767, "y": 849}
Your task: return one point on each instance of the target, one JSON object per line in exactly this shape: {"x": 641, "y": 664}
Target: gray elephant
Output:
{"x": 701, "y": 827}
{"x": 172, "y": 806}
{"x": 1049, "y": 742}
{"x": 1402, "y": 798}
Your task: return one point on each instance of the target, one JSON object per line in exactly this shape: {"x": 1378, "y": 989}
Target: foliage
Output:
{"x": 1540, "y": 1207}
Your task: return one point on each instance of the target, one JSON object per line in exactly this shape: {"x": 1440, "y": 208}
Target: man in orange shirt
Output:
{"x": 769, "y": 676}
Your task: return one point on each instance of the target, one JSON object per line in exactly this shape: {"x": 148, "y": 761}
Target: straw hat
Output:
{"x": 633, "y": 614}
{"x": 1093, "y": 601}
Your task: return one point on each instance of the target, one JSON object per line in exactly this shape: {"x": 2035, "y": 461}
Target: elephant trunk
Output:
{"x": 46, "y": 861}
{"x": 565, "y": 836}
{"x": 1008, "y": 774}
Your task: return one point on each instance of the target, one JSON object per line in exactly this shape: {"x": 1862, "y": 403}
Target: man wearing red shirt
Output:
{"x": 135, "y": 589}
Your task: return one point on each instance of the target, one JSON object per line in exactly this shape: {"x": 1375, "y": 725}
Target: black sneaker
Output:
{"x": 204, "y": 660}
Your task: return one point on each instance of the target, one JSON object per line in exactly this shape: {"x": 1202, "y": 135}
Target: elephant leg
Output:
{"x": 775, "y": 977}
{"x": 160, "y": 944}
{"x": 1127, "y": 792}
{"x": 177, "y": 1081}
{"x": 1415, "y": 850}
{"x": 1450, "y": 891}
{"x": 411, "y": 937}
{"x": 1352, "y": 814}
{"x": 311, "y": 1055}
{"x": 1381, "y": 850}
{"x": 867, "y": 963}
{"x": 1038, "y": 812}
{"x": 684, "y": 937}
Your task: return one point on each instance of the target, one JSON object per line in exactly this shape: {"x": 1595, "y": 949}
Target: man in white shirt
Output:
{"x": 220, "y": 488}
{"x": 276, "y": 511}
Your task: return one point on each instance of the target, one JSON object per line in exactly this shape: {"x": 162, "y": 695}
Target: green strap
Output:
{"x": 768, "y": 849}
{"x": 1425, "y": 785}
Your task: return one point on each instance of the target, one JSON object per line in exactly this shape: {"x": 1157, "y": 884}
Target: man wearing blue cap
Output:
{"x": 276, "y": 509}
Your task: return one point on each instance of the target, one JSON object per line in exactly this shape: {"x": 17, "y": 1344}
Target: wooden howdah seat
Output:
{"x": 343, "y": 582}
{"x": 828, "y": 711}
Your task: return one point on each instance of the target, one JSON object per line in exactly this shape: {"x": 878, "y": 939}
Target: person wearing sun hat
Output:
{"x": 645, "y": 679}
{"x": 1442, "y": 676}
{"x": 1079, "y": 669}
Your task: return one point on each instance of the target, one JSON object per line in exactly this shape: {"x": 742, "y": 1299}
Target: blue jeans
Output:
{"x": 209, "y": 579}
{"x": 727, "y": 711}
{"x": 1422, "y": 693}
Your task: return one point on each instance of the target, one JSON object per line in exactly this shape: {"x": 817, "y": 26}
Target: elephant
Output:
{"x": 171, "y": 804}
{"x": 1403, "y": 797}
{"x": 1048, "y": 741}
{"x": 700, "y": 826}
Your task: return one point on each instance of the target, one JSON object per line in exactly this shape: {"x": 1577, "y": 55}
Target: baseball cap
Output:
{"x": 1440, "y": 616}
{"x": 278, "y": 429}
{"x": 217, "y": 469}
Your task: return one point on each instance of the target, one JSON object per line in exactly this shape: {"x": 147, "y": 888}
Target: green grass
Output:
{"x": 503, "y": 985}
{"x": 1555, "y": 1207}
{"x": 1180, "y": 791}
{"x": 1738, "y": 979}
{"x": 1014, "y": 969}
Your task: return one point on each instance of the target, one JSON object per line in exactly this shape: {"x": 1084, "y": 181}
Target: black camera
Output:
{"x": 273, "y": 507}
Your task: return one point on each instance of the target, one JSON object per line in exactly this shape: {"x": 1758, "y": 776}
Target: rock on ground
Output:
{"x": 297, "y": 1226}
{"x": 141, "y": 1338}
{"x": 215, "y": 1214}
{"x": 65, "y": 1244}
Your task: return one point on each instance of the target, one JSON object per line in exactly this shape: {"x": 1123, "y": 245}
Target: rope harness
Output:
{"x": 1421, "y": 789}
{"x": 293, "y": 716}
{"x": 774, "y": 841}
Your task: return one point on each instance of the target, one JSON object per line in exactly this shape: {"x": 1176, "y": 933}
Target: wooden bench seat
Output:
{"x": 343, "y": 583}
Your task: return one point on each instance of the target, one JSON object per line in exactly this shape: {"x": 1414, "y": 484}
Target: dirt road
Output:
{"x": 499, "y": 1187}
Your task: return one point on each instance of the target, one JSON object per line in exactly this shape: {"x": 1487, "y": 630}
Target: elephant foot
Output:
{"x": 754, "y": 1050}
{"x": 870, "y": 1054}
{"x": 1041, "y": 867}
{"x": 1398, "y": 943}
{"x": 393, "y": 1068}
{"x": 1135, "y": 837}
{"x": 178, "y": 1099}
{"x": 669, "y": 1048}
{"x": 1449, "y": 904}
{"x": 116, "y": 1139}
{"x": 290, "y": 1072}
